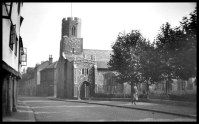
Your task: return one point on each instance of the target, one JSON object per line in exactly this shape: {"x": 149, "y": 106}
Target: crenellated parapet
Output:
{"x": 71, "y": 27}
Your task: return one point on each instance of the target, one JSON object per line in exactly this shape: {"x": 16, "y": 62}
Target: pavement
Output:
{"x": 25, "y": 113}
{"x": 171, "y": 109}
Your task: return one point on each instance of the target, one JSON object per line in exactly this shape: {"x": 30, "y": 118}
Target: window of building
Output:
{"x": 73, "y": 31}
{"x": 16, "y": 42}
{"x": 82, "y": 70}
{"x": 19, "y": 8}
{"x": 93, "y": 57}
{"x": 8, "y": 9}
{"x": 12, "y": 36}
{"x": 85, "y": 71}
{"x": 73, "y": 50}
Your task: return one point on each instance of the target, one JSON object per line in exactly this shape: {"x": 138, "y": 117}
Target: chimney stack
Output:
{"x": 50, "y": 59}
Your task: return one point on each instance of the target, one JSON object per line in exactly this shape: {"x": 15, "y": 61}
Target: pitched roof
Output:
{"x": 41, "y": 66}
{"x": 101, "y": 55}
{"x": 102, "y": 64}
{"x": 53, "y": 65}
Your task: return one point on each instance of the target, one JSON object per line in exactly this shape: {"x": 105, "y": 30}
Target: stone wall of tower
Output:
{"x": 72, "y": 45}
{"x": 67, "y": 26}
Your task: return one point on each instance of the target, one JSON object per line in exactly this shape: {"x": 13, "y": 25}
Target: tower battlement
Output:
{"x": 71, "y": 27}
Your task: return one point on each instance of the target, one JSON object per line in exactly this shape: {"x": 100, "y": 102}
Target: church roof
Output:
{"x": 102, "y": 64}
{"x": 101, "y": 55}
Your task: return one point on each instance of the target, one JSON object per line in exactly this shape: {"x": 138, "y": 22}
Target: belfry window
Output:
{"x": 73, "y": 31}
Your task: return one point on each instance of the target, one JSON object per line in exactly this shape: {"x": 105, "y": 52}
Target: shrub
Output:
{"x": 184, "y": 97}
{"x": 103, "y": 95}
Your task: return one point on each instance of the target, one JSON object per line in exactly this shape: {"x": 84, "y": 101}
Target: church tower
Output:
{"x": 71, "y": 27}
{"x": 71, "y": 41}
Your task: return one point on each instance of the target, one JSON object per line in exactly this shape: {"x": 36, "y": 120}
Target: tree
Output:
{"x": 125, "y": 58}
{"x": 177, "y": 49}
{"x": 185, "y": 60}
{"x": 149, "y": 63}
{"x": 166, "y": 47}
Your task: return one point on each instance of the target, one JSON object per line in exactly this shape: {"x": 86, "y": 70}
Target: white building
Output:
{"x": 13, "y": 55}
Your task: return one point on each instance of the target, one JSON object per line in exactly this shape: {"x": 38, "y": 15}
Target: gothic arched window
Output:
{"x": 73, "y": 31}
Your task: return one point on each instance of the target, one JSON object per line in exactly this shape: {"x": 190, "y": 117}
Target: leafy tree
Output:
{"x": 166, "y": 45}
{"x": 177, "y": 50}
{"x": 149, "y": 64}
{"x": 125, "y": 58}
{"x": 186, "y": 56}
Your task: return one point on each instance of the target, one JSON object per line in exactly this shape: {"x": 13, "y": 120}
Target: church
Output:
{"x": 81, "y": 72}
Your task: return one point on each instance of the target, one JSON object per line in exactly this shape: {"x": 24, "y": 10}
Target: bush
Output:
{"x": 184, "y": 97}
{"x": 142, "y": 96}
{"x": 103, "y": 95}
{"x": 158, "y": 96}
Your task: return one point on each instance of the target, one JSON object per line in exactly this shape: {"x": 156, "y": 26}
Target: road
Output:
{"x": 52, "y": 110}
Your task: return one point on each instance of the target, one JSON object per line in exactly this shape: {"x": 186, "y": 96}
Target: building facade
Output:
{"x": 39, "y": 80}
{"x": 37, "y": 76}
{"x": 81, "y": 72}
{"x": 27, "y": 85}
{"x": 48, "y": 80}
{"x": 176, "y": 87}
{"x": 12, "y": 54}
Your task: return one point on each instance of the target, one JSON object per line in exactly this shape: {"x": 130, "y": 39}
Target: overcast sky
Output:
{"x": 101, "y": 23}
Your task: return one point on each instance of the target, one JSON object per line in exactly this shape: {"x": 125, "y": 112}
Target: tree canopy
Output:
{"x": 171, "y": 56}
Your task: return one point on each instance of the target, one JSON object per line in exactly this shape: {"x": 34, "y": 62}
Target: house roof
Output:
{"x": 53, "y": 65}
{"x": 42, "y": 66}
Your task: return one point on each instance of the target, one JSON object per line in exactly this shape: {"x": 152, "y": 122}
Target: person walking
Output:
{"x": 135, "y": 94}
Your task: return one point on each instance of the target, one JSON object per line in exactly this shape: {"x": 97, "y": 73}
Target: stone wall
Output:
{"x": 88, "y": 75}
{"x": 71, "y": 45}
{"x": 60, "y": 78}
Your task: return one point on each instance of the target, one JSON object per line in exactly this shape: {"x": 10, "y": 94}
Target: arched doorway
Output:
{"x": 85, "y": 90}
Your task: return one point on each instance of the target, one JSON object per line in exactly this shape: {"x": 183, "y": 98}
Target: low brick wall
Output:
{"x": 160, "y": 101}
{"x": 112, "y": 99}
{"x": 172, "y": 102}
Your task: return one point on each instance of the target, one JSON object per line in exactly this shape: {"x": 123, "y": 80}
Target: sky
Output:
{"x": 101, "y": 24}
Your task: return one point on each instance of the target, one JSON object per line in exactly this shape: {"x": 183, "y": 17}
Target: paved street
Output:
{"x": 52, "y": 110}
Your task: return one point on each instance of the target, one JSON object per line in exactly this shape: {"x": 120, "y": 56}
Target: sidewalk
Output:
{"x": 183, "y": 111}
{"x": 23, "y": 114}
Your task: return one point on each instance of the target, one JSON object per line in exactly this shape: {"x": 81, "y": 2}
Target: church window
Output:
{"x": 93, "y": 57}
{"x": 73, "y": 31}
{"x": 73, "y": 50}
{"x": 87, "y": 71}
{"x": 82, "y": 70}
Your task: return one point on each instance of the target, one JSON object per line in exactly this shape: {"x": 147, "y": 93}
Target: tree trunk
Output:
{"x": 147, "y": 89}
{"x": 166, "y": 87}
{"x": 132, "y": 92}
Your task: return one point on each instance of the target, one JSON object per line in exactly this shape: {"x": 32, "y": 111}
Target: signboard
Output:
{"x": 24, "y": 57}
